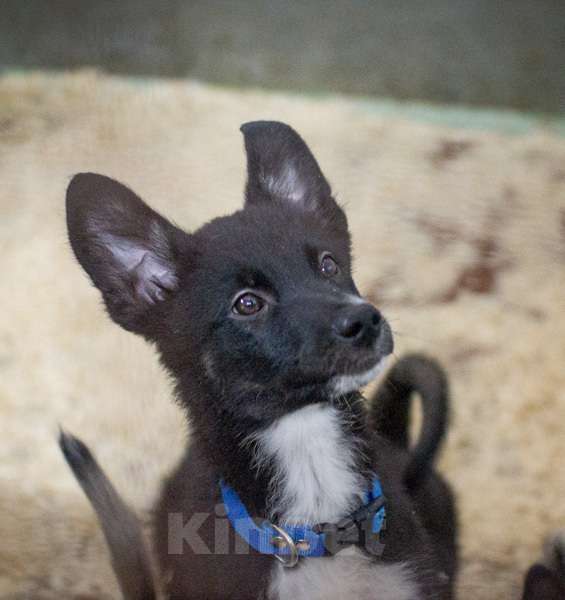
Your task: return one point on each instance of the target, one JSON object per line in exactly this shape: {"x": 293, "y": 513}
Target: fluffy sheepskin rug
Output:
{"x": 459, "y": 236}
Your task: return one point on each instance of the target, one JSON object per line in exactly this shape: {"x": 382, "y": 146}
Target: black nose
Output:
{"x": 358, "y": 322}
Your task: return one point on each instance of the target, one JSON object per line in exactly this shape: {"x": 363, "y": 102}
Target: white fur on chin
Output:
{"x": 343, "y": 384}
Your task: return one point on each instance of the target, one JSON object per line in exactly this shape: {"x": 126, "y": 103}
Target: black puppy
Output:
{"x": 257, "y": 318}
{"x": 389, "y": 415}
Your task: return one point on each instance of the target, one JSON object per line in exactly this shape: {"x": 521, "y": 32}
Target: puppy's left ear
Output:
{"x": 281, "y": 168}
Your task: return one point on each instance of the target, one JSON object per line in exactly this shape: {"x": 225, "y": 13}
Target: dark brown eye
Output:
{"x": 328, "y": 266}
{"x": 248, "y": 304}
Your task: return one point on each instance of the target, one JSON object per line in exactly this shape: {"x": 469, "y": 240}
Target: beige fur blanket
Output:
{"x": 459, "y": 237}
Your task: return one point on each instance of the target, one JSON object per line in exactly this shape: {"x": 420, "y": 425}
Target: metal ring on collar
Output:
{"x": 285, "y": 541}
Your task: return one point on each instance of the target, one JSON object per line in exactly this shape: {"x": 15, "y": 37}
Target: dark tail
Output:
{"x": 122, "y": 529}
{"x": 390, "y": 409}
{"x": 546, "y": 579}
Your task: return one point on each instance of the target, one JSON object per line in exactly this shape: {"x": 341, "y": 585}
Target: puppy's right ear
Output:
{"x": 129, "y": 251}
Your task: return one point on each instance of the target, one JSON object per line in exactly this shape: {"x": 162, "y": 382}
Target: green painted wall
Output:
{"x": 477, "y": 52}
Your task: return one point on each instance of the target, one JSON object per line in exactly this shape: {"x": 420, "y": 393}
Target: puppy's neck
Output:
{"x": 307, "y": 465}
{"x": 316, "y": 464}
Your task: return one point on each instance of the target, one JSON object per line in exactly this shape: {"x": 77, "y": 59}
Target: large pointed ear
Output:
{"x": 129, "y": 251}
{"x": 281, "y": 168}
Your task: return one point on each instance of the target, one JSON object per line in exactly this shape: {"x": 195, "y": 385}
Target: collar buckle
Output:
{"x": 358, "y": 529}
{"x": 338, "y": 536}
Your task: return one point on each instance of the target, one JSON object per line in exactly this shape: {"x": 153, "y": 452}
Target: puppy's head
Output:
{"x": 260, "y": 306}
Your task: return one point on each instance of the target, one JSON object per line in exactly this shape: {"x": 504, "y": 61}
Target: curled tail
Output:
{"x": 390, "y": 409}
{"x": 122, "y": 529}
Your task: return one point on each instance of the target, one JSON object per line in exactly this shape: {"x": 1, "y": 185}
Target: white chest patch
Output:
{"x": 315, "y": 477}
{"x": 316, "y": 481}
{"x": 350, "y": 575}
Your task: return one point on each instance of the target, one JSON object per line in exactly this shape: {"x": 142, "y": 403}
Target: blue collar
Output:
{"x": 364, "y": 527}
